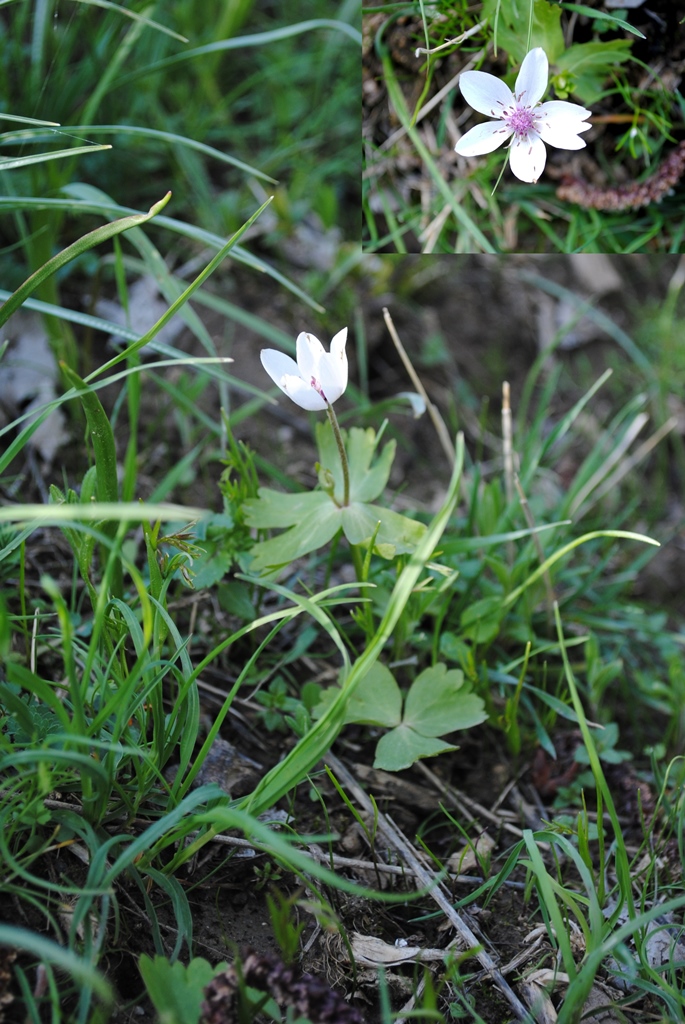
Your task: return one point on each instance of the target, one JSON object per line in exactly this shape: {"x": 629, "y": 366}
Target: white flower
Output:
{"x": 318, "y": 378}
{"x": 521, "y": 115}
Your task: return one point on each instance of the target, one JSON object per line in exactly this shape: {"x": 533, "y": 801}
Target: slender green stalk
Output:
{"x": 333, "y": 419}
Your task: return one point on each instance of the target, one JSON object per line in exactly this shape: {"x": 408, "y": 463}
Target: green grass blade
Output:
{"x": 240, "y": 42}
{"x": 460, "y": 215}
{"x": 130, "y": 512}
{"x": 11, "y": 163}
{"x": 77, "y": 248}
{"x": 13, "y": 138}
{"x": 45, "y": 950}
{"x": 105, "y": 453}
{"x": 109, "y": 6}
{"x": 28, "y": 120}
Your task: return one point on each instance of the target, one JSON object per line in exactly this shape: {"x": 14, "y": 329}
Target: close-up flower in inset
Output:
{"x": 318, "y": 378}
{"x": 521, "y": 116}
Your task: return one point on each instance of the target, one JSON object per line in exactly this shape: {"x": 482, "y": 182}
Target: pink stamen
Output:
{"x": 317, "y": 387}
{"x": 521, "y": 121}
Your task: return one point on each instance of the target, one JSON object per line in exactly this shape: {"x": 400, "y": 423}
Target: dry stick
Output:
{"x": 507, "y": 444}
{"x": 427, "y": 878}
{"x": 612, "y": 459}
{"x": 438, "y": 422}
{"x": 434, "y": 101}
{"x": 629, "y": 464}
{"x": 453, "y": 42}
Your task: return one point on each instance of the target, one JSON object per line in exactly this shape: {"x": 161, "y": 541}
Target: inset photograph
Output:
{"x": 524, "y": 126}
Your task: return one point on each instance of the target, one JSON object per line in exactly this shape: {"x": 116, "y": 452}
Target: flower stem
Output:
{"x": 333, "y": 419}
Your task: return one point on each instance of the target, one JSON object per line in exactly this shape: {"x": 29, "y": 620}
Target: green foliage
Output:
{"x": 287, "y": 930}
{"x": 176, "y": 989}
{"x": 438, "y": 702}
{"x": 313, "y": 518}
{"x": 510, "y": 20}
{"x": 225, "y": 536}
{"x": 282, "y": 711}
{"x": 586, "y": 66}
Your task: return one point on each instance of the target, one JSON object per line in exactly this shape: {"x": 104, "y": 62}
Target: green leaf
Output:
{"x": 601, "y": 16}
{"x": 275, "y": 508}
{"x": 234, "y": 597}
{"x": 315, "y": 530}
{"x": 378, "y": 701}
{"x": 480, "y": 621}
{"x": 402, "y": 746}
{"x": 77, "y": 248}
{"x": 359, "y": 525}
{"x": 591, "y": 63}
{"x": 367, "y": 481}
{"x": 176, "y": 990}
{"x": 454, "y": 648}
{"x": 211, "y": 567}
{"x": 510, "y": 20}
{"x": 439, "y": 701}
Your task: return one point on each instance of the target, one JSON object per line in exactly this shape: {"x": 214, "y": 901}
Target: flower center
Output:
{"x": 521, "y": 121}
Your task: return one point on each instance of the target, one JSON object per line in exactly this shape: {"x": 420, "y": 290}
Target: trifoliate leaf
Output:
{"x": 176, "y": 990}
{"x": 378, "y": 699}
{"x": 439, "y": 701}
{"x": 275, "y": 508}
{"x": 367, "y": 481}
{"x": 316, "y": 529}
{"x": 402, "y": 746}
{"x": 360, "y": 521}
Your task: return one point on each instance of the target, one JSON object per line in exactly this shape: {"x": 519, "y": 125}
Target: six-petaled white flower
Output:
{"x": 522, "y": 116}
{"x": 318, "y": 378}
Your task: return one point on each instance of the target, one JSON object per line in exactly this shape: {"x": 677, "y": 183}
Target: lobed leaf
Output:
{"x": 402, "y": 746}
{"x": 439, "y": 702}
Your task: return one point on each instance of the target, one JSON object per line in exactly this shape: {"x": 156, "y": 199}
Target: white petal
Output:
{"x": 278, "y": 365}
{"x": 553, "y": 108}
{"x": 531, "y": 82}
{"x": 483, "y": 138}
{"x": 561, "y": 138}
{"x": 302, "y": 393}
{"x": 485, "y": 93}
{"x": 333, "y": 368}
{"x": 559, "y": 125}
{"x": 527, "y": 158}
{"x": 338, "y": 344}
{"x": 309, "y": 352}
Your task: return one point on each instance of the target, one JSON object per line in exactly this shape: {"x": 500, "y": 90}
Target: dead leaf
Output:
{"x": 145, "y": 307}
{"x": 28, "y": 378}
{"x": 373, "y": 952}
{"x": 467, "y": 859}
